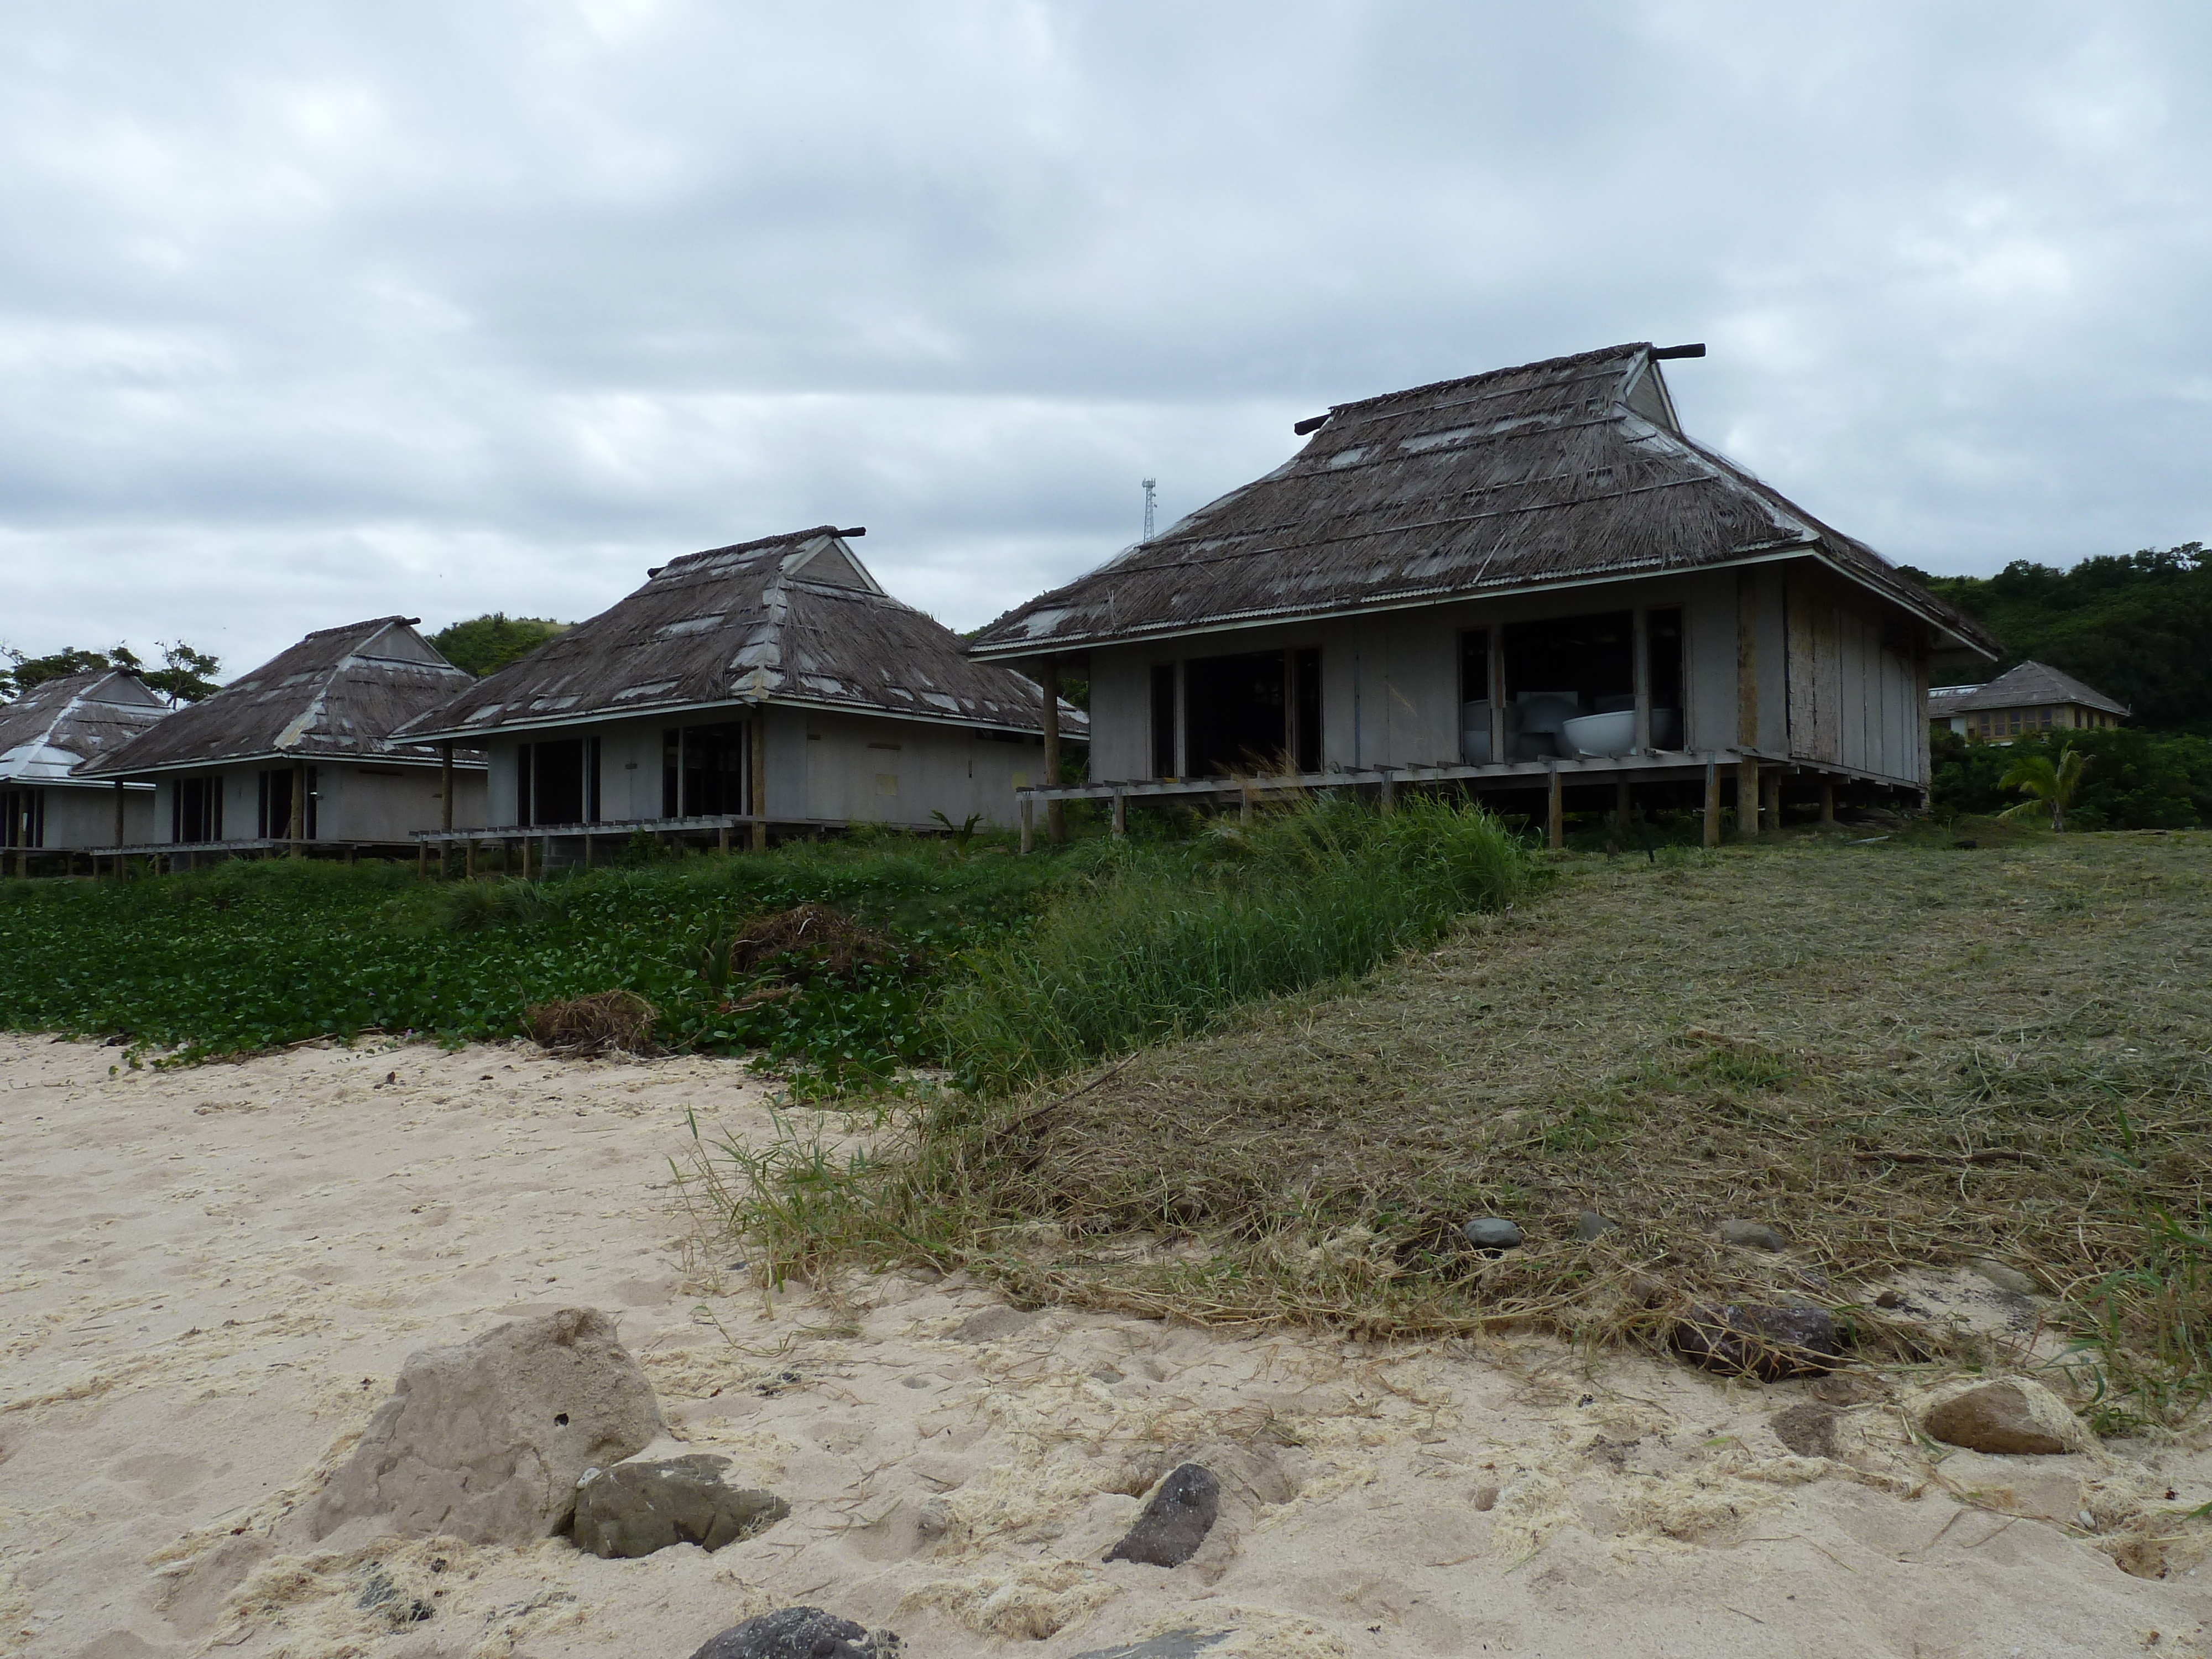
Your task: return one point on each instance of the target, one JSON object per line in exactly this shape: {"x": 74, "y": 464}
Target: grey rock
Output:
{"x": 634, "y": 1509}
{"x": 2005, "y": 1279}
{"x": 484, "y": 1441}
{"x": 1755, "y": 1235}
{"x": 2015, "y": 1416}
{"x": 1768, "y": 1343}
{"x": 799, "y": 1634}
{"x": 1589, "y": 1225}
{"x": 993, "y": 1325}
{"x": 1183, "y": 1511}
{"x": 1172, "y": 1644}
{"x": 1808, "y": 1430}
{"x": 1492, "y": 1232}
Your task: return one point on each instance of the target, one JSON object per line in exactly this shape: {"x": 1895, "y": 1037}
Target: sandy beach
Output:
{"x": 212, "y": 1276}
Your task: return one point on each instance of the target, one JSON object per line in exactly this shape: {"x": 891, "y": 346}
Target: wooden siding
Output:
{"x": 1856, "y": 682}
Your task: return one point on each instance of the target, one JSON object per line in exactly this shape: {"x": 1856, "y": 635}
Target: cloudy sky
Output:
{"x": 313, "y": 312}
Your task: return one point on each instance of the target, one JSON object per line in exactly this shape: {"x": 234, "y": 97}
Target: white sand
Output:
{"x": 212, "y": 1275}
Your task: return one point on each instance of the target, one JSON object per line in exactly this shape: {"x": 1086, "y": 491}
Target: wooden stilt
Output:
{"x": 1120, "y": 817}
{"x": 444, "y": 802}
{"x": 1055, "y": 812}
{"x": 1827, "y": 802}
{"x": 1771, "y": 807}
{"x": 1712, "y": 801}
{"x": 1746, "y": 799}
{"x": 1029, "y": 822}
{"x": 1244, "y": 802}
{"x": 589, "y": 840}
{"x": 722, "y": 846}
{"x": 1620, "y": 805}
{"x": 468, "y": 857}
{"x": 422, "y": 859}
{"x": 1555, "y": 818}
{"x": 1389, "y": 799}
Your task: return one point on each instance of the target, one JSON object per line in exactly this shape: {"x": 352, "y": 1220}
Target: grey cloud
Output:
{"x": 312, "y": 312}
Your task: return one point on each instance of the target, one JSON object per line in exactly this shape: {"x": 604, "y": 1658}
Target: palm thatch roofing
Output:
{"x": 339, "y": 694}
{"x": 2033, "y": 684}
{"x": 1552, "y": 473}
{"x": 794, "y": 619}
{"x": 46, "y": 733}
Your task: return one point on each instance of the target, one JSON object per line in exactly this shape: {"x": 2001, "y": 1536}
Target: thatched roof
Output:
{"x": 2033, "y": 684}
{"x": 1523, "y": 478}
{"x": 50, "y": 729}
{"x": 794, "y": 619}
{"x": 337, "y": 694}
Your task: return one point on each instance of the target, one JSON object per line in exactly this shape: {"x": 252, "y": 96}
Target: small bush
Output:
{"x": 611, "y": 1021}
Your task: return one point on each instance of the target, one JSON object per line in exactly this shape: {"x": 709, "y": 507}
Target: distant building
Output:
{"x": 772, "y": 684}
{"x": 1527, "y": 583}
{"x": 2022, "y": 702}
{"x": 299, "y": 755}
{"x": 46, "y": 735}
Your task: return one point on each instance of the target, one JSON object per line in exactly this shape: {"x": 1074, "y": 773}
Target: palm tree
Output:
{"x": 2046, "y": 783}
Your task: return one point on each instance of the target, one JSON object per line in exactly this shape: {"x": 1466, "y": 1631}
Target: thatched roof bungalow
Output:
{"x": 300, "y": 753}
{"x": 1531, "y": 578}
{"x": 769, "y": 683}
{"x": 46, "y": 735}
{"x": 2023, "y": 701}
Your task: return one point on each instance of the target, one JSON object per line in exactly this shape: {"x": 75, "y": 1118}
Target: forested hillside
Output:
{"x": 2137, "y": 625}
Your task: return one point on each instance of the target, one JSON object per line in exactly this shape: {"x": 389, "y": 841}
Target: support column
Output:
{"x": 1499, "y": 739}
{"x": 758, "y": 783}
{"x": 589, "y": 840}
{"x": 1827, "y": 802}
{"x": 1712, "y": 801}
{"x": 422, "y": 859}
{"x": 1556, "y": 814}
{"x": 722, "y": 844}
{"x": 1120, "y": 817}
{"x": 444, "y": 802}
{"x": 295, "y": 831}
{"x": 1770, "y": 809}
{"x": 118, "y": 819}
{"x": 1390, "y": 800}
{"x": 1055, "y": 812}
{"x": 1244, "y": 801}
{"x": 1620, "y": 804}
{"x": 1028, "y": 810}
{"x": 1746, "y": 799}
{"x": 526, "y": 857}
{"x": 469, "y": 857}
{"x": 1641, "y": 630}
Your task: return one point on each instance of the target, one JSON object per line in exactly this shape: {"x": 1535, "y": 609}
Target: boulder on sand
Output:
{"x": 799, "y": 1634}
{"x": 1174, "y": 1523}
{"x": 2014, "y": 1416}
{"x": 1767, "y": 1343}
{"x": 485, "y": 1440}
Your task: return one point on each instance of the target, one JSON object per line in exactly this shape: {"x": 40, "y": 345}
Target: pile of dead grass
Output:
{"x": 1898, "y": 1055}
{"x": 606, "y": 1022}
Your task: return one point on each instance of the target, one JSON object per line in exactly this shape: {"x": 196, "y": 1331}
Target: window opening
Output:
{"x": 557, "y": 780}
{"x": 1234, "y": 714}
{"x": 196, "y": 810}
{"x": 1567, "y": 668}
{"x": 1475, "y": 696}
{"x": 26, "y": 811}
{"x": 1306, "y": 721}
{"x": 703, "y": 769}
{"x": 1164, "y": 719}
{"x": 1662, "y": 644}
{"x": 273, "y": 815}
{"x": 525, "y": 794}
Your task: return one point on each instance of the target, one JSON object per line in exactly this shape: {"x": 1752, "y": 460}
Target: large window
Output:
{"x": 703, "y": 769}
{"x": 1163, "y": 720}
{"x": 196, "y": 810}
{"x": 557, "y": 783}
{"x": 24, "y": 812}
{"x": 1254, "y": 711}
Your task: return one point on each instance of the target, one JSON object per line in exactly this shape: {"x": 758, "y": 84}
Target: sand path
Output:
{"x": 210, "y": 1277}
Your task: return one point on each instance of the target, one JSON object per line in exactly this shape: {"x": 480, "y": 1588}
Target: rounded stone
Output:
{"x": 1492, "y": 1232}
{"x": 1753, "y": 1234}
{"x": 1591, "y": 1225}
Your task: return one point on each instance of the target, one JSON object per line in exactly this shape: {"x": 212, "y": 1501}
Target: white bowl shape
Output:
{"x": 1613, "y": 733}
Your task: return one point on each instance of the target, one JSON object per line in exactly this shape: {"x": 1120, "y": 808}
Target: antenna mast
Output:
{"x": 1151, "y": 486}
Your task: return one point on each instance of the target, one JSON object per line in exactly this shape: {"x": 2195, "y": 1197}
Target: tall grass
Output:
{"x": 1162, "y": 942}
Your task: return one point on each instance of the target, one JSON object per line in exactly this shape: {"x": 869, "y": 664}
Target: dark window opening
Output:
{"x": 703, "y": 769}
{"x": 196, "y": 810}
{"x": 1163, "y": 720}
{"x": 556, "y": 772}
{"x": 1662, "y": 631}
{"x": 1234, "y": 717}
{"x": 1564, "y": 669}
{"x": 273, "y": 804}
{"x": 1475, "y": 699}
{"x": 25, "y": 810}
{"x": 1305, "y": 712}
{"x": 525, "y": 787}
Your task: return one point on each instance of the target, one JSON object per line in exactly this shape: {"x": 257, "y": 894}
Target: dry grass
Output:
{"x": 1896, "y": 1053}
{"x": 604, "y": 1023}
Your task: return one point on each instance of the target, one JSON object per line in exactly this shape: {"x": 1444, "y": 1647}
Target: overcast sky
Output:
{"x": 311, "y": 312}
